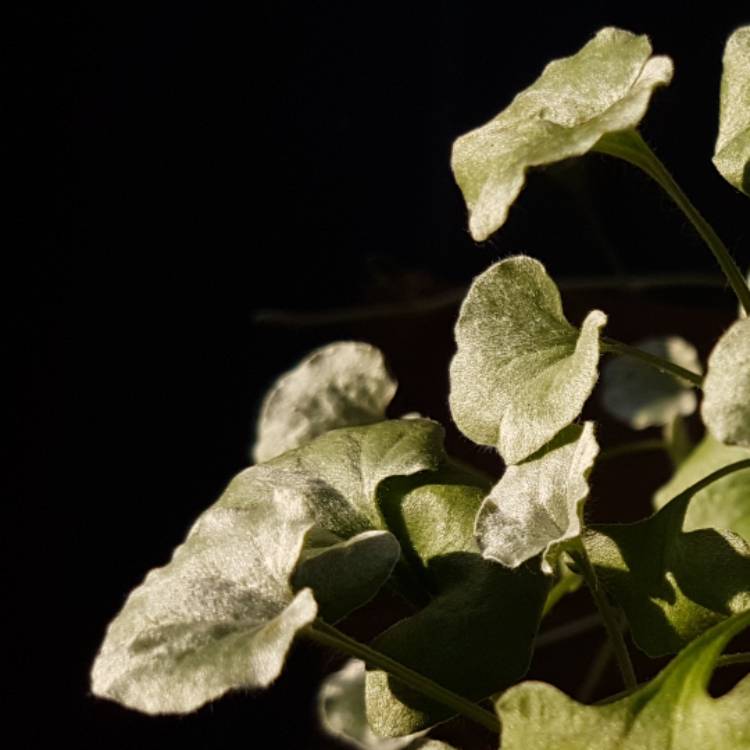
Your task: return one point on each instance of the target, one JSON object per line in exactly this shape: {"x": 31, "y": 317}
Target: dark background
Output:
{"x": 188, "y": 169}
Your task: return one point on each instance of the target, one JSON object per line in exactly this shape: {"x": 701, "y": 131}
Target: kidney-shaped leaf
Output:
{"x": 724, "y": 504}
{"x": 732, "y": 152}
{"x": 475, "y": 635}
{"x": 537, "y": 505}
{"x": 642, "y": 396}
{"x": 603, "y": 88}
{"x": 726, "y": 403}
{"x": 672, "y": 584}
{"x": 521, "y": 372}
{"x": 223, "y": 612}
{"x": 340, "y": 385}
{"x": 671, "y": 712}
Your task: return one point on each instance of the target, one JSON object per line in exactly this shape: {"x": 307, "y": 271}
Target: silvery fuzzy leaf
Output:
{"x": 726, "y": 401}
{"x": 673, "y": 711}
{"x": 223, "y": 612}
{"x": 604, "y": 88}
{"x": 344, "y": 384}
{"x": 732, "y": 151}
{"x": 641, "y": 396}
{"x": 724, "y": 504}
{"x": 220, "y": 615}
{"x": 521, "y": 372}
{"x": 537, "y": 505}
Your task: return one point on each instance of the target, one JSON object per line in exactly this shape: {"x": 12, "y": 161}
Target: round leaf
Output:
{"x": 603, "y": 88}
{"x": 726, "y": 403}
{"x": 341, "y": 385}
{"x": 732, "y": 151}
{"x": 521, "y": 372}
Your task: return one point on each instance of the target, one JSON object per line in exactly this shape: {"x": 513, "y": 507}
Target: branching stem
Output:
{"x": 329, "y": 636}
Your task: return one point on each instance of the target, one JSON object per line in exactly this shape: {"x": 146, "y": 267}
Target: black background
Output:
{"x": 186, "y": 167}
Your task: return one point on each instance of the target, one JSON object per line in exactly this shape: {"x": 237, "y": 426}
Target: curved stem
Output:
{"x": 329, "y": 636}
{"x": 630, "y": 146}
{"x": 617, "y": 347}
{"x": 608, "y": 614}
{"x": 637, "y": 446}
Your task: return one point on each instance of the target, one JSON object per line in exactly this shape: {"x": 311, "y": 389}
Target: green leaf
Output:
{"x": 673, "y": 711}
{"x": 521, "y": 372}
{"x": 603, "y": 88}
{"x": 732, "y": 151}
{"x": 476, "y": 634}
{"x": 724, "y": 504}
{"x": 537, "y": 506}
{"x": 340, "y": 385}
{"x": 341, "y": 708}
{"x": 726, "y": 403}
{"x": 641, "y": 396}
{"x": 671, "y": 584}
{"x": 223, "y": 612}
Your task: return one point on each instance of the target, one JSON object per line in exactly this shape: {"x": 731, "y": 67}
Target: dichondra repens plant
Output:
{"x": 343, "y": 501}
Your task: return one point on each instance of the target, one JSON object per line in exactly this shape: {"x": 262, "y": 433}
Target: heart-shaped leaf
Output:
{"x": 340, "y": 385}
{"x": 223, "y": 612}
{"x": 672, "y": 584}
{"x": 476, "y": 634}
{"x": 726, "y": 403}
{"x": 674, "y": 710}
{"x": 642, "y": 396}
{"x": 724, "y": 504}
{"x": 521, "y": 372}
{"x": 603, "y": 88}
{"x": 732, "y": 151}
{"x": 537, "y": 506}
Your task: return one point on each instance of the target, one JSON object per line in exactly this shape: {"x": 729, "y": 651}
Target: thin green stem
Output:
{"x": 630, "y": 146}
{"x": 664, "y": 365}
{"x": 728, "y": 660}
{"x": 329, "y": 636}
{"x": 637, "y": 446}
{"x": 608, "y": 614}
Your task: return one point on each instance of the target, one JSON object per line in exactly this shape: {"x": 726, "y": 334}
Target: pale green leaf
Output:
{"x": 726, "y": 402}
{"x": 223, "y": 612}
{"x": 521, "y": 372}
{"x": 341, "y": 707}
{"x": 537, "y": 505}
{"x": 603, "y": 88}
{"x": 724, "y": 504}
{"x": 475, "y": 635}
{"x": 340, "y": 385}
{"x": 671, "y": 712}
{"x": 642, "y": 396}
{"x": 732, "y": 151}
{"x": 672, "y": 584}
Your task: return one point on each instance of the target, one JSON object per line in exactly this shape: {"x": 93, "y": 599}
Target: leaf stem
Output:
{"x": 608, "y": 614}
{"x": 630, "y": 146}
{"x": 327, "y": 635}
{"x": 637, "y": 446}
{"x": 612, "y": 346}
